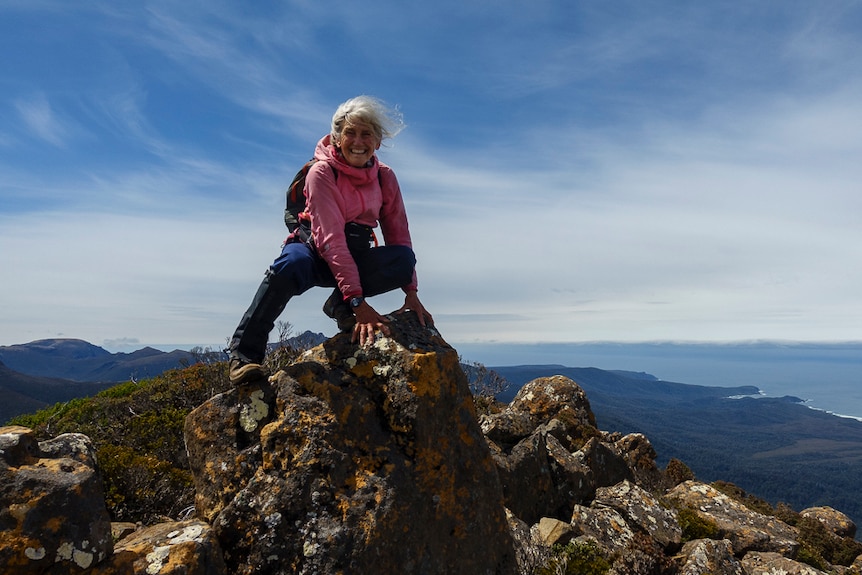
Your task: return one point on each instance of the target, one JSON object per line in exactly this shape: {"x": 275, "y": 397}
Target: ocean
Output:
{"x": 827, "y": 376}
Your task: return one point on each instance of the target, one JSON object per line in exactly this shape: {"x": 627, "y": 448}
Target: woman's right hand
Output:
{"x": 368, "y": 321}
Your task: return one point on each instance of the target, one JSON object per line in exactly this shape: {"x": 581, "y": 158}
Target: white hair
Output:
{"x": 386, "y": 121}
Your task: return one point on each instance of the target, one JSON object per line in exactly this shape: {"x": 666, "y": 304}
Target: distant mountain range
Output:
{"x": 78, "y": 360}
{"x": 41, "y": 373}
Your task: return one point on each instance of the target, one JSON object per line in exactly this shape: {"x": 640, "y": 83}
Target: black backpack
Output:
{"x": 295, "y": 219}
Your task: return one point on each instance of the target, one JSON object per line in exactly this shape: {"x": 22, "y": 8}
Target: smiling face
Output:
{"x": 358, "y": 142}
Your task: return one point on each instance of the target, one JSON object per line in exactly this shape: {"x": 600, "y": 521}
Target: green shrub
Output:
{"x": 819, "y": 543}
{"x": 120, "y": 390}
{"x": 696, "y": 527}
{"x": 576, "y": 558}
{"x": 44, "y": 417}
{"x": 785, "y": 513}
{"x": 142, "y": 487}
{"x": 811, "y": 557}
{"x": 678, "y": 472}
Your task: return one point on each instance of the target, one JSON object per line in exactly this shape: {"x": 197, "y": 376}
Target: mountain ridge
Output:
{"x": 78, "y": 360}
{"x": 43, "y": 372}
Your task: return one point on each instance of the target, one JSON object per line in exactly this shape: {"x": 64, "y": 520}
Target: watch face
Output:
{"x": 356, "y": 302}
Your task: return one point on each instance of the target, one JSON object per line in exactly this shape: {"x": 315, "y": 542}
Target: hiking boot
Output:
{"x": 339, "y": 310}
{"x": 244, "y": 371}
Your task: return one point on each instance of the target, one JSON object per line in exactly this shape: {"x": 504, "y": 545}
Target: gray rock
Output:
{"x": 709, "y": 557}
{"x": 605, "y": 525}
{"x": 170, "y": 548}
{"x": 835, "y": 521}
{"x": 746, "y": 529}
{"x": 641, "y": 509}
{"x": 770, "y": 563}
{"x": 52, "y": 510}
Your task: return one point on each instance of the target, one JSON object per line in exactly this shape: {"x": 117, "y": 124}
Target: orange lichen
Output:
{"x": 363, "y": 369}
{"x": 426, "y": 375}
{"x": 54, "y": 524}
{"x": 437, "y": 478}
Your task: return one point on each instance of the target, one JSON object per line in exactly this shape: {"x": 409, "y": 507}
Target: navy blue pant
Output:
{"x": 298, "y": 269}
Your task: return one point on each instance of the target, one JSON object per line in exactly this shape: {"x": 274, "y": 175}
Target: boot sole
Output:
{"x": 246, "y": 373}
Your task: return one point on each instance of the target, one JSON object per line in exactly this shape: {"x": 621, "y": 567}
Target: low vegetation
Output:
{"x": 576, "y": 558}
{"x": 137, "y": 430}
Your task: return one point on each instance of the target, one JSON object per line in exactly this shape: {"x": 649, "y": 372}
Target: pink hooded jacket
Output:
{"x": 354, "y": 196}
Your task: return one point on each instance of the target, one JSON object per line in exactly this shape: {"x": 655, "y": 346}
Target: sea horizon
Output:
{"x": 826, "y": 376}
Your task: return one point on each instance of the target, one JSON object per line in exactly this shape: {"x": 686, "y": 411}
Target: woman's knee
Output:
{"x": 295, "y": 266}
{"x": 406, "y": 256}
{"x": 386, "y": 268}
{"x": 405, "y": 262}
{"x": 397, "y": 259}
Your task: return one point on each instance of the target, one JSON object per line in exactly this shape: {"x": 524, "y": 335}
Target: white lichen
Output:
{"x": 272, "y": 520}
{"x": 382, "y": 370}
{"x": 82, "y": 559}
{"x": 186, "y": 534}
{"x": 35, "y": 554}
{"x": 64, "y": 552}
{"x": 156, "y": 559}
{"x": 253, "y": 412}
{"x": 309, "y": 548}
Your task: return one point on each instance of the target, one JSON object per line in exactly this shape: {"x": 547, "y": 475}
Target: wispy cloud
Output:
{"x": 41, "y": 121}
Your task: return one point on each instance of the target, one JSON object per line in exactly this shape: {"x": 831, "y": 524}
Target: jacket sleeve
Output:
{"x": 325, "y": 204}
{"x": 393, "y": 217}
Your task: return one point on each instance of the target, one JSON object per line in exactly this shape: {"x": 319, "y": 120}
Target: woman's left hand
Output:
{"x": 411, "y": 302}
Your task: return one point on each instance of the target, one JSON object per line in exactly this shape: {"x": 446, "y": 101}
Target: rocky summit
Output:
{"x": 353, "y": 460}
{"x": 356, "y": 460}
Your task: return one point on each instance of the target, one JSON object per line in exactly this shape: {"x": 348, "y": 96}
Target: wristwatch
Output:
{"x": 355, "y": 302}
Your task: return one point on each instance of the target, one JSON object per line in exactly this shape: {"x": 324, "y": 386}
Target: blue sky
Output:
{"x": 574, "y": 171}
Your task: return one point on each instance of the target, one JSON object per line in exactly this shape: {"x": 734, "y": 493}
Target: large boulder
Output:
{"x": 631, "y": 527}
{"x": 535, "y": 442}
{"x": 542, "y": 401}
{"x": 644, "y": 511}
{"x": 356, "y": 460}
{"x": 747, "y": 530}
{"x": 708, "y": 556}
{"x": 53, "y": 516}
{"x": 832, "y": 519}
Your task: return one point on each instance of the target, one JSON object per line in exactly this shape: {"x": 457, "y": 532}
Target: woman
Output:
{"x": 349, "y": 191}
